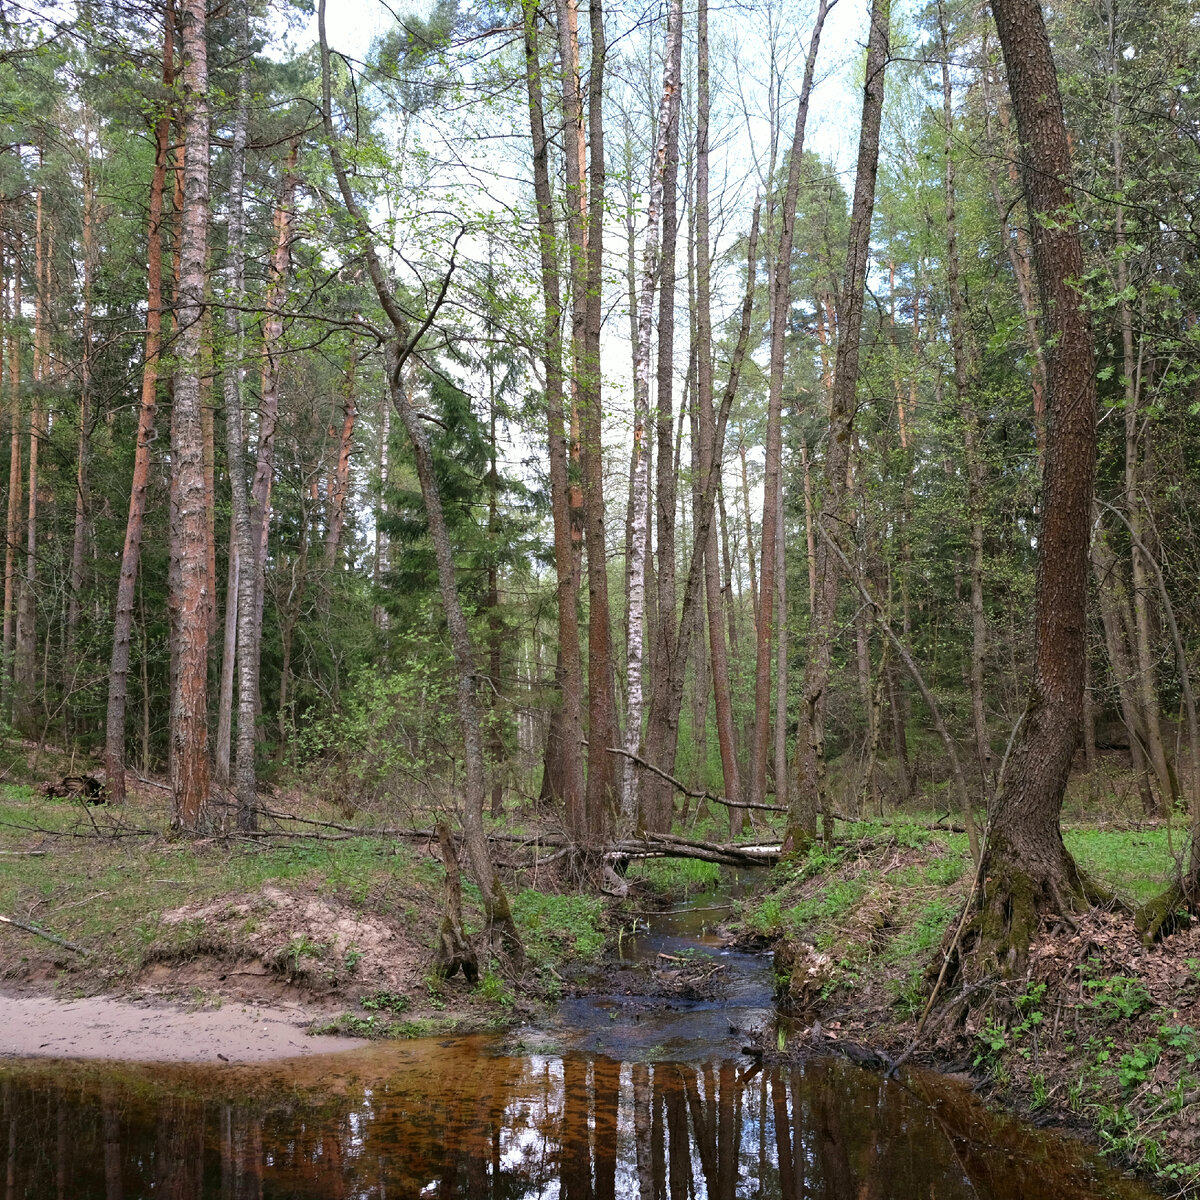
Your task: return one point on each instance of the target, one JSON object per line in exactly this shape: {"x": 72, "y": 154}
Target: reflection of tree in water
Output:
{"x": 484, "y": 1128}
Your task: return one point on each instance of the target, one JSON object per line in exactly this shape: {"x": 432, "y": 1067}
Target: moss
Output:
{"x": 1160, "y": 917}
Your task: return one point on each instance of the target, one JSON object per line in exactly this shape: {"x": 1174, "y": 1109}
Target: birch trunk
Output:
{"x": 668, "y": 114}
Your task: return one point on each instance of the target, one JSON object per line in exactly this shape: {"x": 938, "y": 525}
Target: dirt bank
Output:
{"x": 104, "y": 1027}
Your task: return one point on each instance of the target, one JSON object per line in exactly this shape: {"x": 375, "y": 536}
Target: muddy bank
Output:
{"x": 106, "y": 1028}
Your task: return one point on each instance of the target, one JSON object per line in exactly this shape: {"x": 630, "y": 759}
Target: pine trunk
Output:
{"x": 190, "y": 600}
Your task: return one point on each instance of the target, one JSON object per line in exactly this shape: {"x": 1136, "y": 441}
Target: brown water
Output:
{"x": 626, "y": 1096}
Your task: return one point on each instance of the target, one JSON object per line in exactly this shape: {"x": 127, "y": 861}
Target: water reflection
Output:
{"x": 448, "y": 1120}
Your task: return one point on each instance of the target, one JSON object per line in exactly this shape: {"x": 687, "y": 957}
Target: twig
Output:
{"x": 44, "y": 933}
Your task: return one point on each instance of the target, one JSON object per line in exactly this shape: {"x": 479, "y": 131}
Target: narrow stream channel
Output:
{"x": 624, "y": 1095}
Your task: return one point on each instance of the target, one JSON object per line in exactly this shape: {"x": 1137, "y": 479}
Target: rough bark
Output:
{"x": 1027, "y": 869}
{"x": 668, "y": 115}
{"x": 809, "y": 796}
{"x": 190, "y": 599}
{"x": 780, "y": 299}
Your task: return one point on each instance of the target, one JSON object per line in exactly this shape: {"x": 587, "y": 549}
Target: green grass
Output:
{"x": 676, "y": 876}
{"x": 559, "y": 928}
{"x": 1135, "y": 865}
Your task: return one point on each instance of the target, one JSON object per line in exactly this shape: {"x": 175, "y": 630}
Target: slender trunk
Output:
{"x": 602, "y": 715}
{"x": 780, "y": 298}
{"x": 970, "y": 426}
{"x": 1147, "y": 692}
{"x": 1114, "y": 618}
{"x": 710, "y": 457}
{"x": 118, "y": 678}
{"x": 341, "y": 475}
{"x": 245, "y": 573}
{"x": 79, "y": 535}
{"x": 569, "y": 674}
{"x": 25, "y": 654}
{"x": 749, "y": 531}
{"x": 268, "y": 407}
{"x": 495, "y": 623}
{"x": 656, "y": 793}
{"x": 810, "y": 546}
{"x": 810, "y": 797}
{"x": 13, "y": 523}
{"x": 668, "y": 114}
{"x": 781, "y": 658}
{"x": 190, "y": 601}
{"x": 497, "y": 913}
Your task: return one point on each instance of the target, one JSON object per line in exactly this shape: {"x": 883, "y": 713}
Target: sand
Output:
{"x": 105, "y": 1028}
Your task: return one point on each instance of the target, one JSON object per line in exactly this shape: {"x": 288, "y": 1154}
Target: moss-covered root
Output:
{"x": 996, "y": 940}
{"x": 1162, "y": 916}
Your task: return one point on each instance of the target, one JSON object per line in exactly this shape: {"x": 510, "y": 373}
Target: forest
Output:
{"x": 575, "y": 437}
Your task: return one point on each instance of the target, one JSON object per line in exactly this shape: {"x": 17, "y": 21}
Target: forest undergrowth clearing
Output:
{"x": 1100, "y": 1034}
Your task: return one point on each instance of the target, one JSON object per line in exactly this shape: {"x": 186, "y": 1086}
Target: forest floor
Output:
{"x": 1101, "y": 1035}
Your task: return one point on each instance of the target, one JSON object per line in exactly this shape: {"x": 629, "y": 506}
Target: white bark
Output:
{"x": 668, "y": 113}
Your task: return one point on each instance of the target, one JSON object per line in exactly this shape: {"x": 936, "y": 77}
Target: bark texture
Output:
{"x": 1027, "y": 868}
{"x": 190, "y": 599}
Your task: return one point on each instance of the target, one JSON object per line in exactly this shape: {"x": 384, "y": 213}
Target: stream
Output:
{"x": 631, "y": 1093}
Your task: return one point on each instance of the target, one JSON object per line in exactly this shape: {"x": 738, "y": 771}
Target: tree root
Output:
{"x": 1168, "y": 912}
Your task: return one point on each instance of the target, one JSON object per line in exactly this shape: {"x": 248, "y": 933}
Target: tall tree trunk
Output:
{"x": 970, "y": 426}
{"x": 1147, "y": 691}
{"x": 341, "y": 475}
{"x": 79, "y": 534}
{"x": 781, "y": 659}
{"x": 495, "y": 622}
{"x": 25, "y": 653}
{"x": 779, "y": 302}
{"x": 809, "y": 796}
{"x": 1027, "y": 868}
{"x": 569, "y": 671}
{"x": 710, "y": 456}
{"x": 602, "y": 715}
{"x": 191, "y": 600}
{"x": 13, "y": 523}
{"x": 749, "y": 530}
{"x": 268, "y": 407}
{"x": 501, "y": 927}
{"x": 245, "y": 573}
{"x": 668, "y": 115}
{"x": 1115, "y": 618}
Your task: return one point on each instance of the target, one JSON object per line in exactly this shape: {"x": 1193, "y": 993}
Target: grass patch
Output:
{"x": 676, "y": 876}
{"x": 559, "y": 928}
{"x": 1135, "y": 865}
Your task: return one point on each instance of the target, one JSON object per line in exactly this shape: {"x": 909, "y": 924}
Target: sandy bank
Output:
{"x": 101, "y": 1027}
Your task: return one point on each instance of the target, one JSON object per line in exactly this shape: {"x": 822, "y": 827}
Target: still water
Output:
{"x": 625, "y": 1096}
